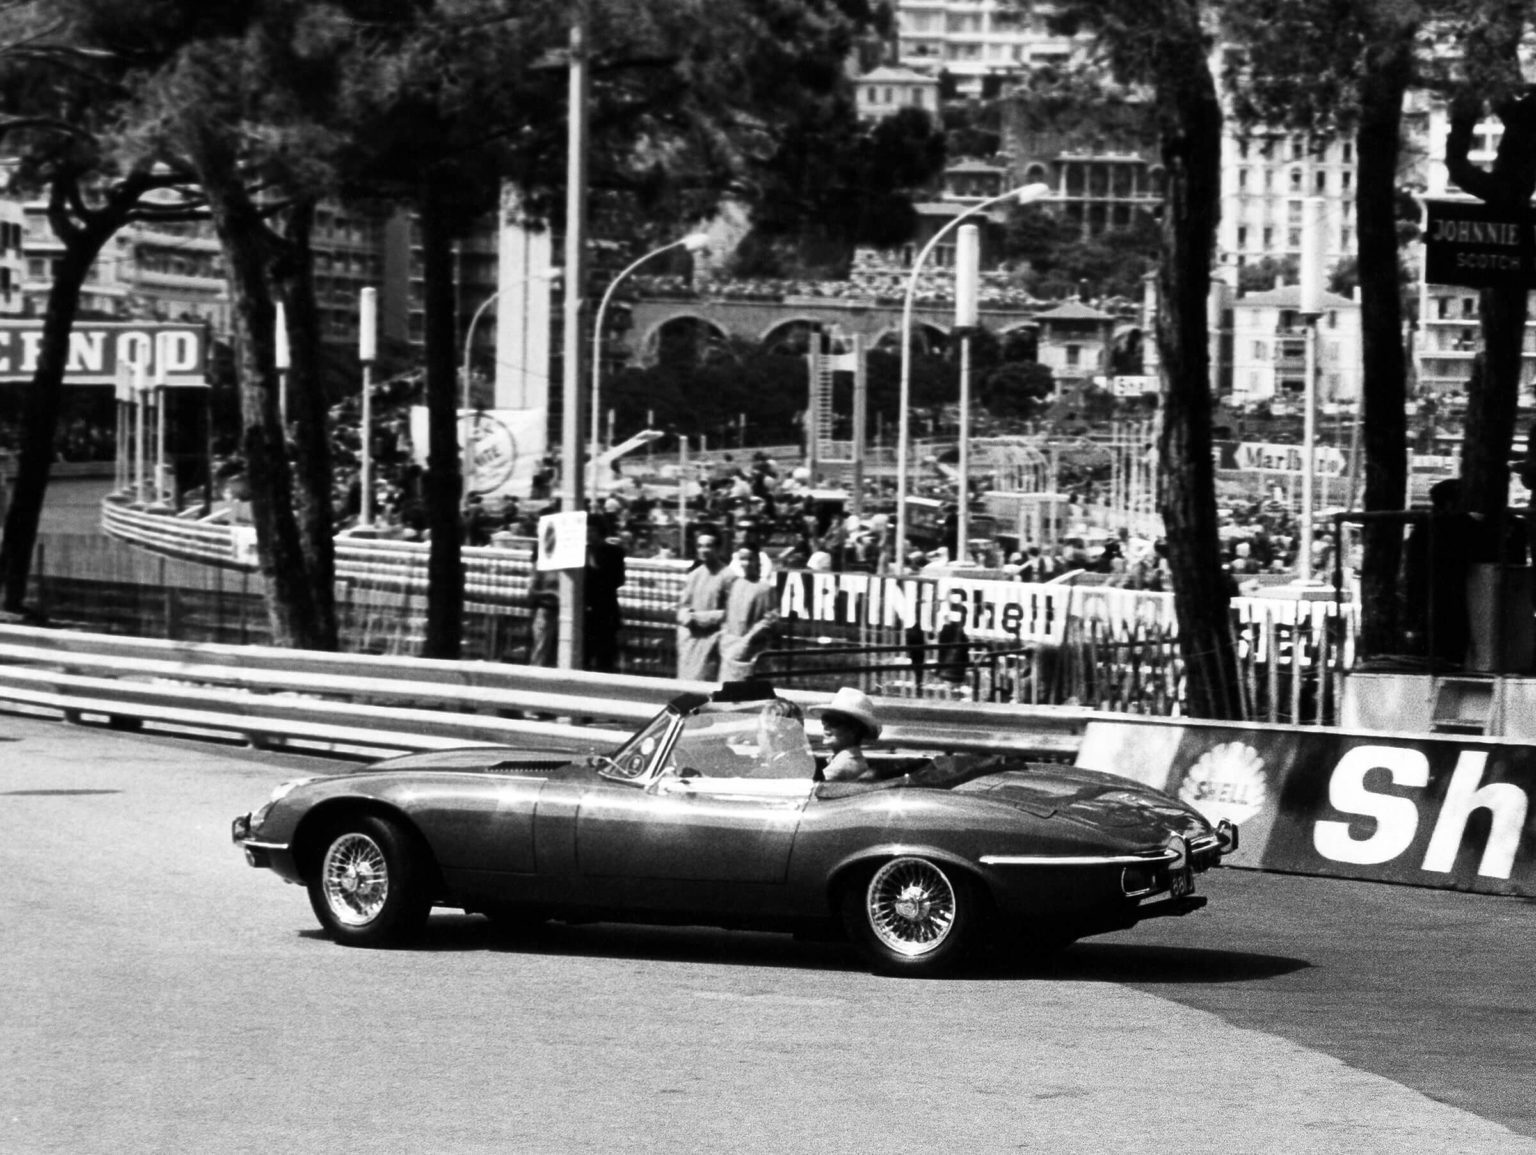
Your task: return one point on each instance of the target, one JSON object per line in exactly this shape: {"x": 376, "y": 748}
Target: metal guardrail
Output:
{"x": 320, "y": 702}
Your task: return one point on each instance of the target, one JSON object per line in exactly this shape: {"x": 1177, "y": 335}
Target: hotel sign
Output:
{"x": 100, "y": 350}
{"x": 1474, "y": 244}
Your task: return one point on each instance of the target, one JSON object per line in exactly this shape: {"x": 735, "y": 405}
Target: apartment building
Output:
{"x": 982, "y": 45}
{"x": 1265, "y": 179}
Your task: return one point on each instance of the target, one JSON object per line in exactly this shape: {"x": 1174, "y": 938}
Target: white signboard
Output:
{"x": 504, "y": 448}
{"x": 1267, "y": 458}
{"x": 176, "y": 353}
{"x": 563, "y": 540}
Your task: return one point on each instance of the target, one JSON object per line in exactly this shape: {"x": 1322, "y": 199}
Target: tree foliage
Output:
{"x": 834, "y": 180}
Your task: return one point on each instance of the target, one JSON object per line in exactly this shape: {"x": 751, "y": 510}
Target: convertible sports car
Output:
{"x": 712, "y": 814}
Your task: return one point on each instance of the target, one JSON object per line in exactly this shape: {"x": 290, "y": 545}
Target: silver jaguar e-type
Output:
{"x": 714, "y": 814}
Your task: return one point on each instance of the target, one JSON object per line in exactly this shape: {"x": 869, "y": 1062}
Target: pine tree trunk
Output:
{"x": 308, "y": 412}
{"x": 40, "y": 415}
{"x": 296, "y": 619}
{"x": 1384, "y": 388}
{"x": 1189, "y": 120}
{"x": 445, "y": 565}
{"x": 1493, "y": 395}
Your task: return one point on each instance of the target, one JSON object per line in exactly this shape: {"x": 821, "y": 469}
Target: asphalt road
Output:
{"x": 158, "y": 995}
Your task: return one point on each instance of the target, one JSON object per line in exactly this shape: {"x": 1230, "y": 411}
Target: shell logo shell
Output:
{"x": 1227, "y": 782}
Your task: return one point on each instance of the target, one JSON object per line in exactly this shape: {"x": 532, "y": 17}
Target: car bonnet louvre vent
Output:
{"x": 525, "y": 765}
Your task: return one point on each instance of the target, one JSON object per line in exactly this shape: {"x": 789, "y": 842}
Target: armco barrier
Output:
{"x": 276, "y": 696}
{"x": 1426, "y": 810}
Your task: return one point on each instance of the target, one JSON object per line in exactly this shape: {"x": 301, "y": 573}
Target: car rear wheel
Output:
{"x": 370, "y": 886}
{"x": 911, "y": 916}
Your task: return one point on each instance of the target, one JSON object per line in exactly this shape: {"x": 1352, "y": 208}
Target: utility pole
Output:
{"x": 572, "y": 645}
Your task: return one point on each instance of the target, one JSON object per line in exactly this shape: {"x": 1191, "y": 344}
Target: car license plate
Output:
{"x": 1181, "y": 882}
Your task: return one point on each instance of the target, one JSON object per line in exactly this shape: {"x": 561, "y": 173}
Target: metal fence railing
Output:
{"x": 182, "y": 581}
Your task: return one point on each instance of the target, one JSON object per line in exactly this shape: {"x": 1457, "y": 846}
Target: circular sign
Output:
{"x": 491, "y": 451}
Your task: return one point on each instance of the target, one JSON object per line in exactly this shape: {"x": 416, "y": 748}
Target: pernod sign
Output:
{"x": 100, "y": 350}
{"x": 1474, "y": 244}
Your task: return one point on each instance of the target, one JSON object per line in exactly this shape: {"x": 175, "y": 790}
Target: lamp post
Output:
{"x": 1309, "y": 310}
{"x": 282, "y": 360}
{"x": 967, "y": 278}
{"x": 160, "y": 395}
{"x": 693, "y": 242}
{"x": 367, "y": 353}
{"x": 464, "y": 369}
{"x": 1023, "y": 196}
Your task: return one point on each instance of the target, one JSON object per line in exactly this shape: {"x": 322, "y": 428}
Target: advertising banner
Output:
{"x": 176, "y": 353}
{"x": 1277, "y": 457}
{"x": 1446, "y": 813}
{"x": 1473, "y": 244}
{"x": 505, "y": 445}
{"x": 1003, "y": 611}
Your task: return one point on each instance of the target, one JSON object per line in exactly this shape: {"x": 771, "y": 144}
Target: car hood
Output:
{"x": 1092, "y": 798}
{"x": 474, "y": 760}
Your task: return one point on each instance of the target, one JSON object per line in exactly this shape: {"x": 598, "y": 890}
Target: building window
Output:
{"x": 1242, "y": 237}
{"x": 1321, "y": 182}
{"x": 1074, "y": 356}
{"x": 1260, "y": 351}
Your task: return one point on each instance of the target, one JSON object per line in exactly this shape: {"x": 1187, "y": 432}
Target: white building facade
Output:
{"x": 1269, "y": 364}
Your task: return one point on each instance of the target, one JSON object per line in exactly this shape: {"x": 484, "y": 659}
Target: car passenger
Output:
{"x": 847, "y": 722}
{"x": 783, "y": 751}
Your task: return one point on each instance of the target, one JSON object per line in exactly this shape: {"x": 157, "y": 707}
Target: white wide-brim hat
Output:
{"x": 851, "y": 703}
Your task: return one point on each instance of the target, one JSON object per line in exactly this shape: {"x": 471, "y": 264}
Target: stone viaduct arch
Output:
{"x": 757, "y": 320}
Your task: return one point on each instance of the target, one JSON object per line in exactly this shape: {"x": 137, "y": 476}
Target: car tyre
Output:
{"x": 910, "y": 916}
{"x": 371, "y": 883}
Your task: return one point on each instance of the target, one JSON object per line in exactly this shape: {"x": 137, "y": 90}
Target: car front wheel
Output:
{"x": 370, "y": 886}
{"x": 911, "y": 917}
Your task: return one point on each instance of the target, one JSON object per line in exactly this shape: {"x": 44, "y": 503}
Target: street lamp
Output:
{"x": 469, "y": 333}
{"x": 367, "y": 353}
{"x": 464, "y": 371}
{"x": 693, "y": 242}
{"x": 1023, "y": 196}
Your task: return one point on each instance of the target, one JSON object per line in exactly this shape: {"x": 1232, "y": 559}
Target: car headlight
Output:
{"x": 283, "y": 789}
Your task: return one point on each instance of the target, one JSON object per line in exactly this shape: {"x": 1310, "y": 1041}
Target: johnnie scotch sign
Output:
{"x": 1474, "y": 244}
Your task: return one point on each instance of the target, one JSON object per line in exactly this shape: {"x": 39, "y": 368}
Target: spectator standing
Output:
{"x": 701, "y": 611}
{"x": 750, "y": 618}
{"x": 544, "y": 604}
{"x": 605, "y": 574}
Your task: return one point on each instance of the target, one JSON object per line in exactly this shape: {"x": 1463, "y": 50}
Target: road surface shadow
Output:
{"x": 1082, "y": 962}
{"x": 1090, "y": 961}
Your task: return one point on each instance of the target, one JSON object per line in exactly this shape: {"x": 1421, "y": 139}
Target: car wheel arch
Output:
{"x": 309, "y": 839}
{"x": 858, "y": 867}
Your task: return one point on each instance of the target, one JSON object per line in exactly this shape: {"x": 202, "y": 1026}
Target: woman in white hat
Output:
{"x": 847, "y": 722}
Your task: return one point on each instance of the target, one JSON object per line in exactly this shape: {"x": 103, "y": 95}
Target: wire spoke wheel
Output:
{"x": 371, "y": 881}
{"x": 911, "y": 908}
{"x": 355, "y": 879}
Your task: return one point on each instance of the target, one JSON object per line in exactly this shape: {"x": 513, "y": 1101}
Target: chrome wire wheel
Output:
{"x": 911, "y": 907}
{"x": 354, "y": 877}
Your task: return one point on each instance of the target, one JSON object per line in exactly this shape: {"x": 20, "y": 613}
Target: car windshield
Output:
{"x": 632, "y": 758}
{"x": 740, "y": 744}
